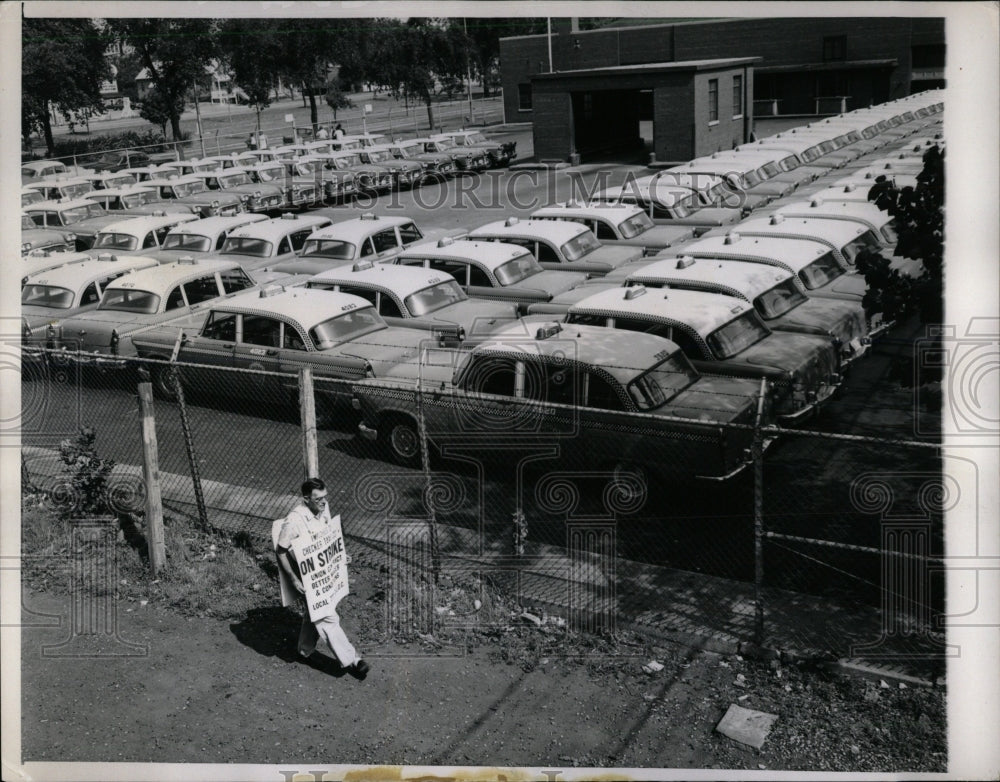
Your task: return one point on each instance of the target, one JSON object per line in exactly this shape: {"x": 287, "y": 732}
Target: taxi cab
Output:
{"x": 627, "y": 404}
{"x": 492, "y": 270}
{"x": 84, "y": 218}
{"x": 195, "y": 194}
{"x": 464, "y": 158}
{"x": 30, "y": 196}
{"x": 414, "y": 297}
{"x": 299, "y": 191}
{"x": 269, "y": 242}
{"x": 559, "y": 244}
{"x": 59, "y": 293}
{"x": 34, "y": 170}
{"x": 256, "y": 196}
{"x": 44, "y": 240}
{"x": 618, "y": 224}
{"x": 812, "y": 262}
{"x": 371, "y": 237}
{"x": 368, "y": 177}
{"x": 103, "y": 180}
{"x": 406, "y": 173}
{"x": 135, "y": 200}
{"x": 338, "y": 185}
{"x": 280, "y": 330}
{"x": 139, "y": 234}
{"x": 62, "y": 187}
{"x": 435, "y": 164}
{"x": 498, "y": 153}
{"x": 776, "y": 294}
{"x": 174, "y": 293}
{"x": 669, "y": 203}
{"x": 723, "y": 335}
{"x": 35, "y": 263}
{"x": 201, "y": 237}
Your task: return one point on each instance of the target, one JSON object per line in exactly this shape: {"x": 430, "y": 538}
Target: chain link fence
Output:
{"x": 818, "y": 530}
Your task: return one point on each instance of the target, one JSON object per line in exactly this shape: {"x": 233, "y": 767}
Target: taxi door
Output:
{"x": 258, "y": 350}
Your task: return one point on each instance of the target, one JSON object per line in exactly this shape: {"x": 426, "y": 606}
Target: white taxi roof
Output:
{"x": 614, "y": 213}
{"x": 489, "y": 255}
{"x": 553, "y": 230}
{"x": 34, "y": 264}
{"x": 161, "y": 278}
{"x": 793, "y": 253}
{"x": 837, "y": 232}
{"x": 57, "y": 204}
{"x": 749, "y": 279}
{"x": 141, "y": 187}
{"x": 81, "y": 273}
{"x": 139, "y": 225}
{"x": 212, "y": 226}
{"x": 400, "y": 280}
{"x": 358, "y": 229}
{"x": 277, "y": 227}
{"x": 826, "y": 207}
{"x": 306, "y": 306}
{"x": 663, "y": 192}
{"x": 703, "y": 311}
{"x": 55, "y": 181}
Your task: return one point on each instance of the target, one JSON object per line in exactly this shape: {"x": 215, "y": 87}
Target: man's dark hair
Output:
{"x": 311, "y": 485}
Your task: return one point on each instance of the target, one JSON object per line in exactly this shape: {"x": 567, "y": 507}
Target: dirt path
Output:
{"x": 215, "y": 691}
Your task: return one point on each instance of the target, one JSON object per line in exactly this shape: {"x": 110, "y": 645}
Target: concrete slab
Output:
{"x": 746, "y": 726}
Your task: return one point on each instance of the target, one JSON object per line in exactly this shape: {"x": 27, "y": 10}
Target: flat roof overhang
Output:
{"x": 835, "y": 65}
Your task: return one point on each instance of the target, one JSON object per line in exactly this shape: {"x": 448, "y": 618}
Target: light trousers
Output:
{"x": 334, "y": 635}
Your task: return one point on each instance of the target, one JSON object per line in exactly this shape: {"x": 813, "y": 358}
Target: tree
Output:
{"x": 308, "y": 47}
{"x": 175, "y": 52}
{"x": 63, "y": 65}
{"x": 253, "y": 52}
{"x": 335, "y": 97}
{"x": 156, "y": 109}
{"x": 919, "y": 218}
{"x": 484, "y": 38}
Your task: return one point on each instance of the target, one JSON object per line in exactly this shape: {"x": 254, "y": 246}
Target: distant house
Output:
{"x": 217, "y": 85}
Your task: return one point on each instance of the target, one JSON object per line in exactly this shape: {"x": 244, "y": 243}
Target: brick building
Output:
{"x": 806, "y": 66}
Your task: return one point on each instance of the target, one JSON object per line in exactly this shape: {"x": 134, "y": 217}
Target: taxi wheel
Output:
{"x": 403, "y": 441}
{"x": 163, "y": 383}
{"x": 631, "y": 480}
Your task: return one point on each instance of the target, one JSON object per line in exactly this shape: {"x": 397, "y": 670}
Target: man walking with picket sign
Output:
{"x": 313, "y": 567}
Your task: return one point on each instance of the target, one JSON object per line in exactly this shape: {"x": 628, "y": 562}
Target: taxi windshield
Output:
{"x": 346, "y": 327}
{"x": 889, "y": 231}
{"x": 379, "y": 155}
{"x": 678, "y": 207}
{"x": 444, "y": 143}
{"x": 434, "y": 297}
{"x": 771, "y": 169}
{"x": 328, "y": 248}
{"x": 78, "y": 213}
{"x": 189, "y": 242}
{"x": 475, "y": 138}
{"x": 116, "y": 241}
{"x": 307, "y": 167}
{"x": 867, "y": 241}
{"x": 737, "y": 335}
{"x": 636, "y": 224}
{"x": 130, "y": 300}
{"x": 235, "y": 180}
{"x": 820, "y": 272}
{"x": 780, "y": 299}
{"x": 247, "y": 245}
{"x": 347, "y": 160}
{"x": 27, "y": 224}
{"x": 119, "y": 180}
{"x": 182, "y": 189}
{"x": 580, "y": 245}
{"x": 271, "y": 173}
{"x": 789, "y": 163}
{"x": 407, "y": 151}
{"x": 657, "y": 386}
{"x": 132, "y": 200}
{"x": 75, "y": 190}
{"x": 517, "y": 269}
{"x": 811, "y": 154}
{"x": 47, "y": 296}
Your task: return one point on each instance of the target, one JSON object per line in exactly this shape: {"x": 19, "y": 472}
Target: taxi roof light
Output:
{"x": 271, "y": 290}
{"x": 360, "y": 266}
{"x": 634, "y": 292}
{"x": 777, "y": 219}
{"x": 684, "y": 261}
{"x": 369, "y": 216}
{"x": 547, "y": 330}
{"x": 732, "y": 237}
{"x": 511, "y": 221}
{"x": 445, "y": 241}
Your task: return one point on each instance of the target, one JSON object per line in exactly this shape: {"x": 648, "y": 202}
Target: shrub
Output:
{"x": 86, "y": 490}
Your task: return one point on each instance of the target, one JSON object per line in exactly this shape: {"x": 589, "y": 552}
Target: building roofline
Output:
{"x": 680, "y": 65}
{"x": 641, "y": 27}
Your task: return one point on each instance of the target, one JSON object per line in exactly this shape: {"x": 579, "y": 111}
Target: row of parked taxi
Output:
{"x": 64, "y": 208}
{"x": 640, "y": 328}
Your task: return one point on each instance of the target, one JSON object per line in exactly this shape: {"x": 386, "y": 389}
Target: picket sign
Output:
{"x": 322, "y": 567}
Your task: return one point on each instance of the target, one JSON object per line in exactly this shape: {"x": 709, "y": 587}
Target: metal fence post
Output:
{"x": 151, "y": 476}
{"x": 758, "y": 517}
{"x": 199, "y": 496}
{"x": 425, "y": 464}
{"x": 307, "y": 415}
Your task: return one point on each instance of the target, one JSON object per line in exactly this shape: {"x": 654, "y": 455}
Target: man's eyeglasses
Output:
{"x": 318, "y": 500}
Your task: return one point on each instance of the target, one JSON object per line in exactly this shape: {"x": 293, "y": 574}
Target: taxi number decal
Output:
{"x": 434, "y": 279}
{"x": 257, "y": 351}
{"x": 661, "y": 355}
{"x": 127, "y": 285}
{"x": 348, "y": 307}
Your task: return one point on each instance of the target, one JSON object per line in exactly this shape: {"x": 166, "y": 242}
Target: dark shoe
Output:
{"x": 359, "y": 670}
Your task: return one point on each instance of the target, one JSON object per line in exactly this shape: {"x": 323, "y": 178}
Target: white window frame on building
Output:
{"x": 713, "y": 100}
{"x": 737, "y": 96}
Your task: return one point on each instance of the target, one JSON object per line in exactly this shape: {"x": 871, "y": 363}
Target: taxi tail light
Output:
{"x": 51, "y": 334}
{"x": 25, "y": 330}
{"x": 115, "y": 339}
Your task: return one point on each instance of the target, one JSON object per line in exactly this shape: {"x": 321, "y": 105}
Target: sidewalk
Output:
{"x": 598, "y": 593}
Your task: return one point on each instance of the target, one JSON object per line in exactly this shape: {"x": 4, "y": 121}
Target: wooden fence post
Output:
{"x": 307, "y": 415}
{"x": 151, "y": 476}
